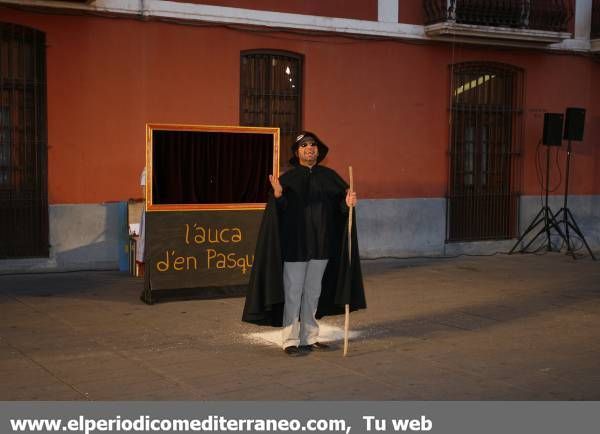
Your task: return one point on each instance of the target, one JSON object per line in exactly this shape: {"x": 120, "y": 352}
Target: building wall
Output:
{"x": 381, "y": 105}
{"x": 593, "y": 125}
{"x": 417, "y": 227}
{"x": 356, "y": 9}
{"x": 411, "y": 12}
{"x": 82, "y": 237}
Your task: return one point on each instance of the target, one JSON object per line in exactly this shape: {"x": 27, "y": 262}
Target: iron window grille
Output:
{"x": 23, "y": 143}
{"x": 485, "y": 139}
{"x": 4, "y": 147}
{"x": 271, "y": 94}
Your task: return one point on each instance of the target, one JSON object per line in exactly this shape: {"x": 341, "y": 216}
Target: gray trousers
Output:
{"x": 302, "y": 287}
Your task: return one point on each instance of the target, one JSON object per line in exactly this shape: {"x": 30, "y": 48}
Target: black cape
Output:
{"x": 342, "y": 281}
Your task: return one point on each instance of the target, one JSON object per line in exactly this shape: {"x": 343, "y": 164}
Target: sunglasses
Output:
{"x": 305, "y": 144}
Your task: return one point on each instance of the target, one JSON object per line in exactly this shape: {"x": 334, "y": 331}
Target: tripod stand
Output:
{"x": 545, "y": 217}
{"x": 567, "y": 216}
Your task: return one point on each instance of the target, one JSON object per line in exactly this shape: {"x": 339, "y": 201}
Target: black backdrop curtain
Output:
{"x": 195, "y": 167}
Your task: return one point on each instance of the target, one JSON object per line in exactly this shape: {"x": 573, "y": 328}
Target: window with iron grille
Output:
{"x": 270, "y": 94}
{"x": 4, "y": 147}
{"x": 23, "y": 145}
{"x": 486, "y": 118}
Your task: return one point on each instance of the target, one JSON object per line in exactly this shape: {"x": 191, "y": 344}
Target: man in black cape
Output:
{"x": 302, "y": 270}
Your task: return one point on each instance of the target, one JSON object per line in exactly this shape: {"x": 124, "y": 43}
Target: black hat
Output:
{"x": 306, "y": 136}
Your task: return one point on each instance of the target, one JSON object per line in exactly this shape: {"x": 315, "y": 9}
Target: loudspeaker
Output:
{"x": 553, "y": 129}
{"x": 574, "y": 123}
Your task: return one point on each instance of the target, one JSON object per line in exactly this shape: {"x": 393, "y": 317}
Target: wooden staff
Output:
{"x": 347, "y": 319}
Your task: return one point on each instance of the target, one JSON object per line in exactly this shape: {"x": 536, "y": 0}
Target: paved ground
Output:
{"x": 521, "y": 327}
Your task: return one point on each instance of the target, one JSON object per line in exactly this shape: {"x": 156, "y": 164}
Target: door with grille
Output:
{"x": 486, "y": 114}
{"x": 23, "y": 164}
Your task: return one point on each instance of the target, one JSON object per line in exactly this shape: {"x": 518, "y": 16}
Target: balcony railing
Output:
{"x": 596, "y": 19}
{"x": 549, "y": 15}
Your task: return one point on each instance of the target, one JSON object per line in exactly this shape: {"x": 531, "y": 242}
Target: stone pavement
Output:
{"x": 521, "y": 327}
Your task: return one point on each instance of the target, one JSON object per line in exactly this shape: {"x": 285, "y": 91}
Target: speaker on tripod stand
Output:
{"x": 574, "y": 126}
{"x": 553, "y": 129}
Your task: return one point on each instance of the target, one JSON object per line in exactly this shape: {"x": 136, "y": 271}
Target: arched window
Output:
{"x": 271, "y": 94}
{"x": 23, "y": 144}
{"x": 486, "y": 125}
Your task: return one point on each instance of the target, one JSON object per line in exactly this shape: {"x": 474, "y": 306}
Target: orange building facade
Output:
{"x": 426, "y": 110}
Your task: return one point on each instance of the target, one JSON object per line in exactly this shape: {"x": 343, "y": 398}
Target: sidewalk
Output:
{"x": 520, "y": 327}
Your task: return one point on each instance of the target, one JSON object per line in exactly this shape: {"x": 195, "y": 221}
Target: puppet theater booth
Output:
{"x": 206, "y": 191}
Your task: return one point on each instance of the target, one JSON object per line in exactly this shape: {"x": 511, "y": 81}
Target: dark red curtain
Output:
{"x": 191, "y": 167}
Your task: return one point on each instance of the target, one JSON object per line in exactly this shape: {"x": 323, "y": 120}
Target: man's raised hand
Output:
{"x": 277, "y": 188}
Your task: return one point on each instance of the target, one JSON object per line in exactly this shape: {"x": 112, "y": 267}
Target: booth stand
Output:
{"x": 206, "y": 190}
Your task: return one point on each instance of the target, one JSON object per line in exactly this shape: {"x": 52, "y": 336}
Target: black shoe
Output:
{"x": 292, "y": 351}
{"x": 317, "y": 346}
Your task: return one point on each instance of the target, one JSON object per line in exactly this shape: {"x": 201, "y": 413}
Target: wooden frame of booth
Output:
{"x": 150, "y": 127}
